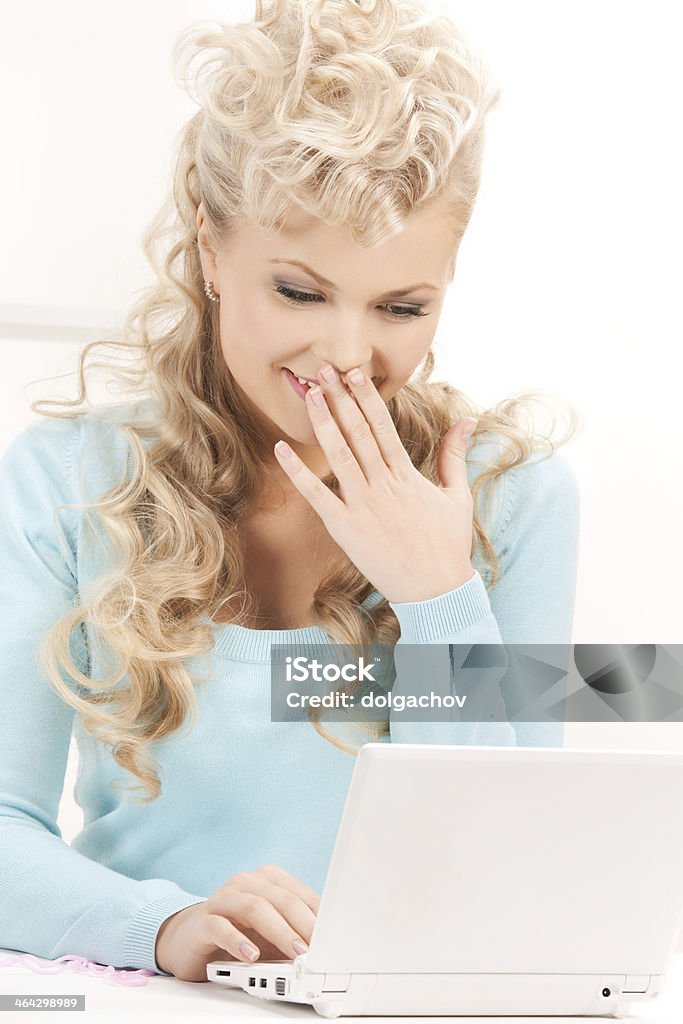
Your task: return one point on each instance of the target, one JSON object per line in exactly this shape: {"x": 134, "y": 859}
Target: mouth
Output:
{"x": 303, "y": 384}
{"x": 302, "y": 380}
{"x": 311, "y": 381}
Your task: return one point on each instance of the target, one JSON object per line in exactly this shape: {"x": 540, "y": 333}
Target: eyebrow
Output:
{"x": 328, "y": 284}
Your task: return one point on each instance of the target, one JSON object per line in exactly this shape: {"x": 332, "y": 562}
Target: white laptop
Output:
{"x": 471, "y": 881}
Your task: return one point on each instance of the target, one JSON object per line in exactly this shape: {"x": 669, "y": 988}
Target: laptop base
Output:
{"x": 413, "y": 995}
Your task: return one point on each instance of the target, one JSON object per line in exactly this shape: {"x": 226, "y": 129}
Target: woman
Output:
{"x": 155, "y": 550}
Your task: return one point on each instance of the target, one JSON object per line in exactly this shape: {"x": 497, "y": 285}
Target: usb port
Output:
{"x": 252, "y": 983}
{"x": 223, "y": 974}
{"x": 263, "y": 982}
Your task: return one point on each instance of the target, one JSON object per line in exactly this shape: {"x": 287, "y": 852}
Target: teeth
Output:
{"x": 302, "y": 380}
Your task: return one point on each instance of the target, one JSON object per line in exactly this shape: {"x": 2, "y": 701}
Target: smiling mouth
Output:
{"x": 313, "y": 381}
{"x": 303, "y": 380}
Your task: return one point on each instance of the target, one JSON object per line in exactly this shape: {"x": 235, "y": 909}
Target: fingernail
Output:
{"x": 327, "y": 373}
{"x": 283, "y": 449}
{"x": 299, "y": 947}
{"x": 469, "y": 428}
{"x": 317, "y": 397}
{"x": 356, "y": 377}
{"x": 251, "y": 952}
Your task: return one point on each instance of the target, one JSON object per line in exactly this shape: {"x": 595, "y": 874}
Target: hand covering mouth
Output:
{"x": 304, "y": 380}
{"x": 312, "y": 380}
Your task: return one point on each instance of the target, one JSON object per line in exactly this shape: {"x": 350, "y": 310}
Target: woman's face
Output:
{"x": 377, "y": 309}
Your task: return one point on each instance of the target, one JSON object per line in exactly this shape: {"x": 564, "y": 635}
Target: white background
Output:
{"x": 568, "y": 279}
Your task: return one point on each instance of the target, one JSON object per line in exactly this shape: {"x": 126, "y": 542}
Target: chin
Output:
{"x": 303, "y": 435}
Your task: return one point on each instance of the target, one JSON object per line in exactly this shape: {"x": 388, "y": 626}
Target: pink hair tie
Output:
{"x": 132, "y": 977}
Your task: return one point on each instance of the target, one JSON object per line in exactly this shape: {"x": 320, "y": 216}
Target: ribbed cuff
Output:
{"x": 440, "y": 617}
{"x": 142, "y": 932}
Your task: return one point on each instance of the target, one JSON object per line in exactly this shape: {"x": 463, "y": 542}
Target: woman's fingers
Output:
{"x": 359, "y": 439}
{"x": 352, "y": 422}
{"x": 263, "y": 914}
{"x": 274, "y": 873}
{"x": 318, "y": 495}
{"x": 249, "y": 909}
{"x": 291, "y": 907}
{"x": 270, "y": 902}
{"x": 378, "y": 445}
{"x": 218, "y": 931}
{"x": 338, "y": 451}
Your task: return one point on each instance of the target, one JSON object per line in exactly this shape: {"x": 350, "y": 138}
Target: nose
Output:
{"x": 345, "y": 350}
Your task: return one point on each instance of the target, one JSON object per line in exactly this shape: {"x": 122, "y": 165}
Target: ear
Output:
{"x": 206, "y": 253}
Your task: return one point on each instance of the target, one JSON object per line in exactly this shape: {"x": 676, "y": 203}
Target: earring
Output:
{"x": 208, "y": 288}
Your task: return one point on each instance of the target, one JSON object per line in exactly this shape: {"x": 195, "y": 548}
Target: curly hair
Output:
{"x": 360, "y": 111}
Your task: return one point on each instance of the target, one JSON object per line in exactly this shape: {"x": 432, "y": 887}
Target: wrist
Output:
{"x": 430, "y": 591}
{"x": 164, "y": 939}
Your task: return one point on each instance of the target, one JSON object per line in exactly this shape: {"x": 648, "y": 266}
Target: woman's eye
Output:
{"x": 408, "y": 311}
{"x": 397, "y": 312}
{"x": 290, "y": 293}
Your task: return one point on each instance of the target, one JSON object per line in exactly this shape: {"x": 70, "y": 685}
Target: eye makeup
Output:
{"x": 296, "y": 297}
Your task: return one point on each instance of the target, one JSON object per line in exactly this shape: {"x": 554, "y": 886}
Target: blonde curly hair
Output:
{"x": 359, "y": 111}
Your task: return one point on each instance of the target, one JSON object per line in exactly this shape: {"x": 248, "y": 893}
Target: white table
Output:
{"x": 167, "y": 999}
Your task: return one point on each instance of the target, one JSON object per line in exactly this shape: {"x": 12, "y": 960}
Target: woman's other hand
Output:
{"x": 267, "y": 911}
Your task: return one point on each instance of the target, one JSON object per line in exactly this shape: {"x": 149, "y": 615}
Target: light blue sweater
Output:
{"x": 238, "y": 791}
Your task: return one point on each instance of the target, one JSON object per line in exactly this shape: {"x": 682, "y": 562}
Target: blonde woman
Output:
{"x": 152, "y": 551}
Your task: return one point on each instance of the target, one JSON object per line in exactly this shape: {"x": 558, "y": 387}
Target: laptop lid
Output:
{"x": 504, "y": 860}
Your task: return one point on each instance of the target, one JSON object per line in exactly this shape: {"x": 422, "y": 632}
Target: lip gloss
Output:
{"x": 300, "y": 389}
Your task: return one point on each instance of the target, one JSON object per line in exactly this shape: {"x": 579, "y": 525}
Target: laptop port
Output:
{"x": 280, "y": 986}
{"x": 263, "y": 982}
{"x": 223, "y": 974}
{"x": 252, "y": 983}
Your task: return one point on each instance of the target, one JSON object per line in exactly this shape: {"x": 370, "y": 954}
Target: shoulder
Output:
{"x": 545, "y": 485}
{"x": 543, "y": 490}
{"x": 104, "y": 457}
{"x": 39, "y": 460}
{"x": 44, "y": 436}
{"x": 68, "y": 455}
{"x": 37, "y": 487}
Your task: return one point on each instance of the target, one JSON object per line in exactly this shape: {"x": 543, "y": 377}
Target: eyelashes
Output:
{"x": 298, "y": 298}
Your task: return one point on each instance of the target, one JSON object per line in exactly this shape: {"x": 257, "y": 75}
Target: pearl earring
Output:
{"x": 209, "y": 289}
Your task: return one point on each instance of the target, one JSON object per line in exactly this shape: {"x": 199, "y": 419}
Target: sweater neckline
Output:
{"x": 245, "y": 644}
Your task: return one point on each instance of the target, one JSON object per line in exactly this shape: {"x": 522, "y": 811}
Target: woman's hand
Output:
{"x": 266, "y": 910}
{"x": 410, "y": 538}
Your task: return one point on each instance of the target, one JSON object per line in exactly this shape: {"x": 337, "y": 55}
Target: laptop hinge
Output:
{"x": 636, "y": 983}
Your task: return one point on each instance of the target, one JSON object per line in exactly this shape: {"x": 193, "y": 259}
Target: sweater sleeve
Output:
{"x": 536, "y": 541}
{"x": 53, "y": 900}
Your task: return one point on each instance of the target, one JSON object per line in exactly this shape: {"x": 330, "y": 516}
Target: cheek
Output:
{"x": 252, "y": 334}
{"x": 403, "y": 359}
